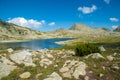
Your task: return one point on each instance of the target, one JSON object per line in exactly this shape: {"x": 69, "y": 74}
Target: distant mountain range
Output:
{"x": 9, "y": 31}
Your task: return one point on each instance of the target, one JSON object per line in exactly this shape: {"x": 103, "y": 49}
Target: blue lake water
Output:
{"x": 37, "y": 44}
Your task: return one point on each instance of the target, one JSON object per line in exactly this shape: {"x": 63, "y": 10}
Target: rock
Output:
{"x": 95, "y": 55}
{"x": 79, "y": 70}
{"x": 86, "y": 78}
{"x": 115, "y": 66}
{"x": 38, "y": 75}
{"x": 67, "y": 74}
{"x": 10, "y": 50}
{"x": 101, "y": 75}
{"x": 54, "y": 76}
{"x": 44, "y": 62}
{"x": 110, "y": 57}
{"x": 49, "y": 56}
{"x": 25, "y": 75}
{"x": 102, "y": 48}
{"x": 73, "y": 68}
{"x": 56, "y": 65}
{"x": 64, "y": 69}
{"x": 114, "y": 54}
{"x": 23, "y": 57}
{"x": 6, "y": 61}
{"x": 6, "y": 69}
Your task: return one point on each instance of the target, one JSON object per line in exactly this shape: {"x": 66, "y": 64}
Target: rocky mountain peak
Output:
{"x": 117, "y": 29}
{"x": 79, "y": 27}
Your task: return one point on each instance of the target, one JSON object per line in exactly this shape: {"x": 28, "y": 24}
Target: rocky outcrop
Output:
{"x": 73, "y": 68}
{"x": 23, "y": 57}
{"x": 117, "y": 29}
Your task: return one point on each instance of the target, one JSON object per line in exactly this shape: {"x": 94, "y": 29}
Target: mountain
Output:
{"x": 9, "y": 31}
{"x": 84, "y": 31}
{"x": 79, "y": 27}
{"x": 117, "y": 29}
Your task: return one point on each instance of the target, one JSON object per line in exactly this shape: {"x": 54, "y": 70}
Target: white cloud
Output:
{"x": 52, "y": 24}
{"x": 31, "y": 23}
{"x": 114, "y": 19}
{"x": 107, "y": 1}
{"x": 87, "y": 10}
{"x": 114, "y": 26}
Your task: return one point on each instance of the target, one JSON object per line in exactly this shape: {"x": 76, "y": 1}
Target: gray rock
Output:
{"x": 23, "y": 57}
{"x": 54, "y": 76}
{"x": 73, "y": 68}
{"x": 25, "y": 75}
{"x": 49, "y": 56}
{"x": 6, "y": 61}
{"x": 79, "y": 70}
{"x": 64, "y": 69}
{"x": 110, "y": 57}
{"x": 67, "y": 74}
{"x": 45, "y": 62}
{"x": 10, "y": 50}
{"x": 6, "y": 69}
{"x": 102, "y": 48}
{"x": 95, "y": 55}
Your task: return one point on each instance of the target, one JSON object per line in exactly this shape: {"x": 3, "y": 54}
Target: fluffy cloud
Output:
{"x": 114, "y": 19}
{"x": 87, "y": 10}
{"x": 107, "y": 1}
{"x": 52, "y": 24}
{"x": 114, "y": 26}
{"x": 31, "y": 23}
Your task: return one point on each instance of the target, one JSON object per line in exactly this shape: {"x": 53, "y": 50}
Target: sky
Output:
{"x": 48, "y": 15}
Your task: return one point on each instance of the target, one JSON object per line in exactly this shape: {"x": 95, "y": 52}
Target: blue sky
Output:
{"x": 47, "y": 15}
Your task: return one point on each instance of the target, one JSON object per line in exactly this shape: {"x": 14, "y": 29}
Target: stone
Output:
{"x": 56, "y": 65}
{"x": 6, "y": 61}
{"x": 64, "y": 69}
{"x": 115, "y": 66}
{"x": 73, "y": 68}
{"x": 67, "y": 74}
{"x": 25, "y": 75}
{"x": 54, "y": 76}
{"x": 95, "y": 55}
{"x": 38, "y": 75}
{"x": 101, "y": 75}
{"x": 79, "y": 70}
{"x": 10, "y": 50}
{"x": 49, "y": 55}
{"x": 86, "y": 78}
{"x": 110, "y": 58}
{"x": 23, "y": 57}
{"x": 45, "y": 61}
{"x": 5, "y": 69}
{"x": 102, "y": 48}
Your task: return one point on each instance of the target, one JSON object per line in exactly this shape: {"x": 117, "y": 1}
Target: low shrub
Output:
{"x": 85, "y": 49}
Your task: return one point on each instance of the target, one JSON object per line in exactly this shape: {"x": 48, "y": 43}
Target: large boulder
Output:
{"x": 73, "y": 68}
{"x": 5, "y": 69}
{"x": 23, "y": 57}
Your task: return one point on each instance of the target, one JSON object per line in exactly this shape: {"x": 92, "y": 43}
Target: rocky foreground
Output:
{"x": 58, "y": 65}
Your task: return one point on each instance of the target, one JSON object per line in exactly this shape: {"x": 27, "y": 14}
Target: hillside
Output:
{"x": 9, "y": 31}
